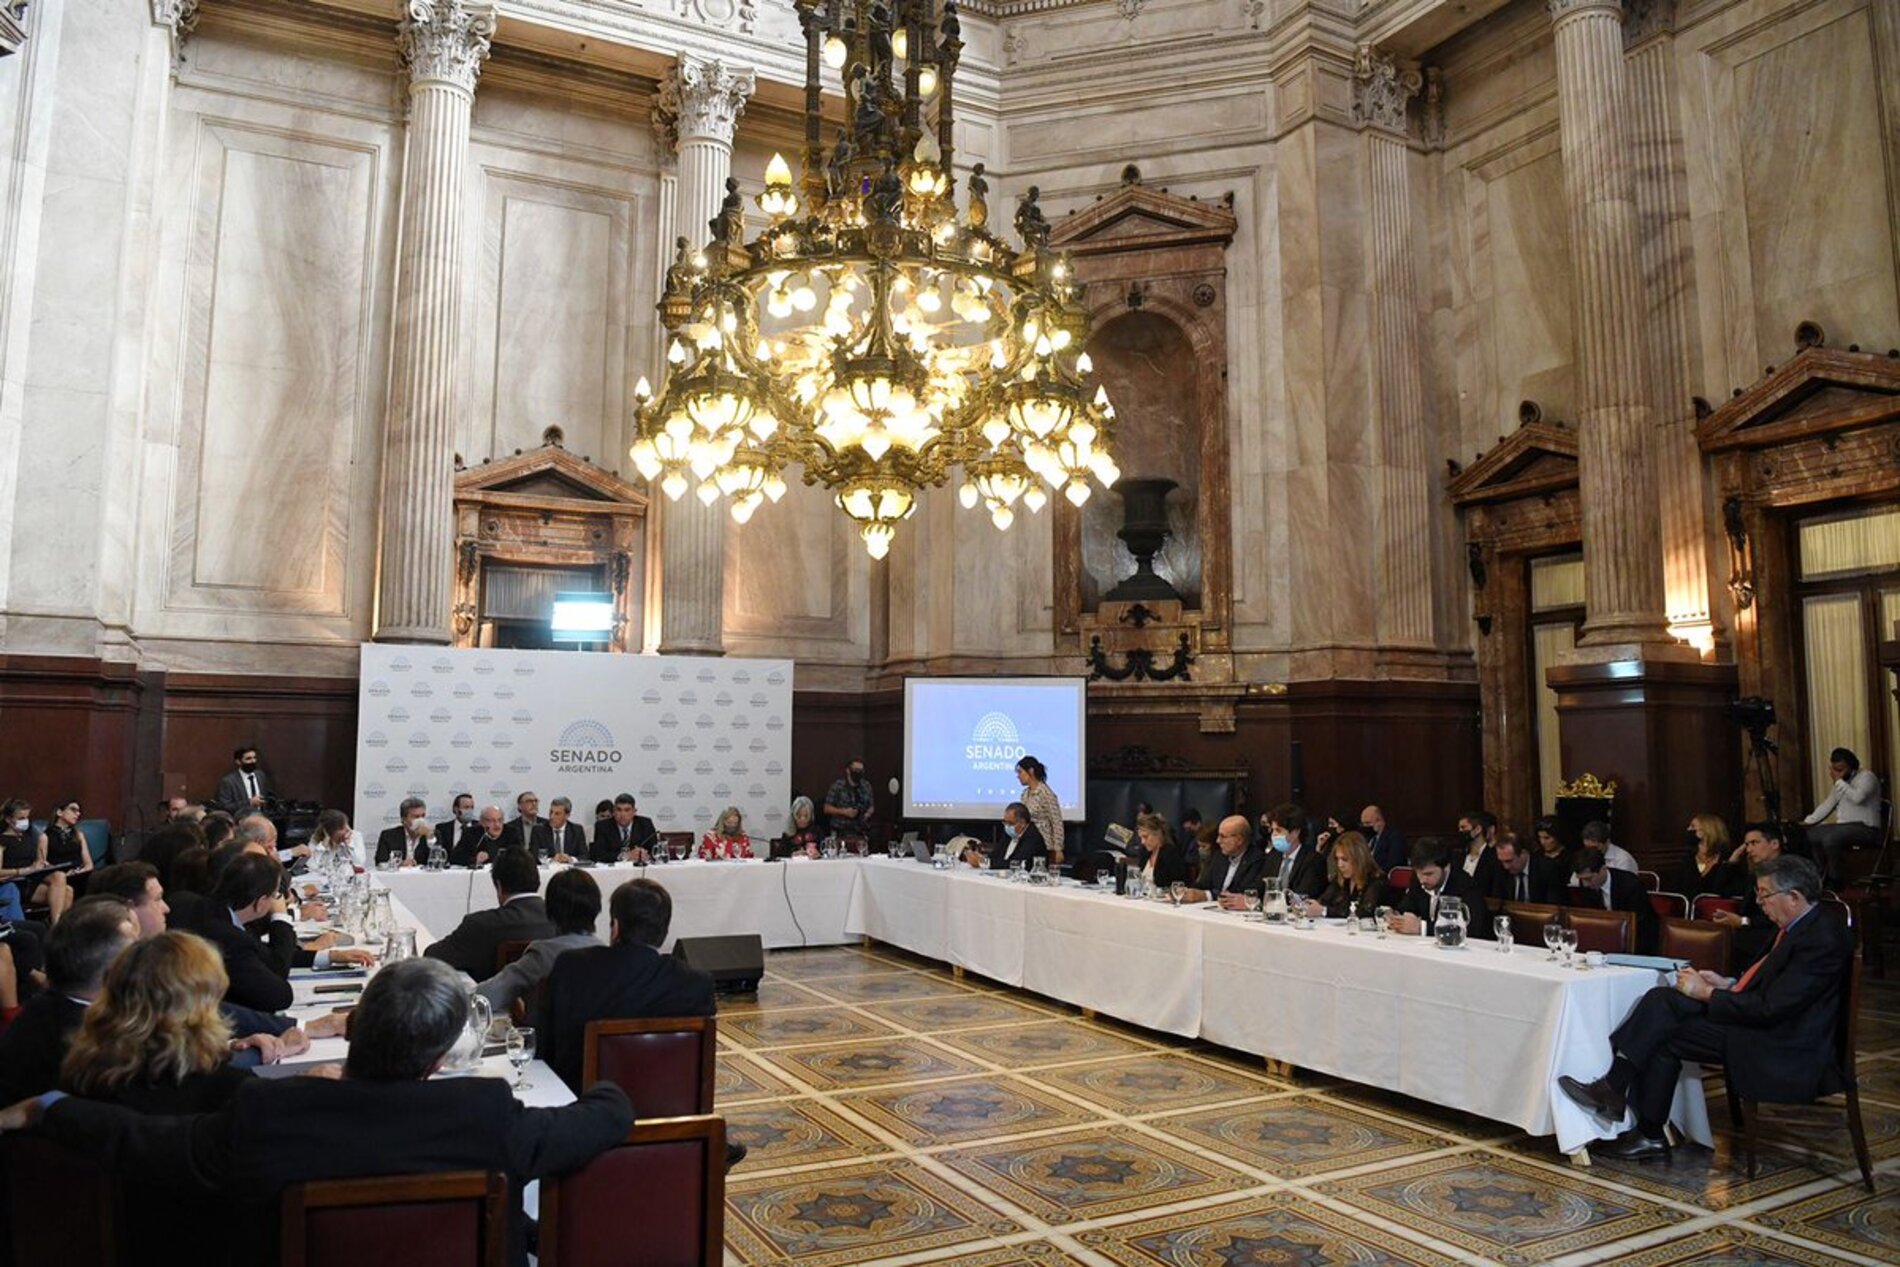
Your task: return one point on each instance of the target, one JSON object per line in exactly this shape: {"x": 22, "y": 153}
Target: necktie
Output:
{"x": 626, "y": 835}
{"x": 1523, "y": 887}
{"x": 250, "y": 783}
{"x": 1755, "y": 967}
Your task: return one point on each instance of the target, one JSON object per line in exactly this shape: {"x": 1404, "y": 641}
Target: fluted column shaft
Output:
{"x": 1405, "y": 529}
{"x": 444, "y": 43}
{"x": 1622, "y": 547}
{"x": 1660, "y": 203}
{"x": 702, "y": 101}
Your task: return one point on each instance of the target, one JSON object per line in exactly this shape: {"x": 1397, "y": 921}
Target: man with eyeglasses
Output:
{"x": 1772, "y": 1028}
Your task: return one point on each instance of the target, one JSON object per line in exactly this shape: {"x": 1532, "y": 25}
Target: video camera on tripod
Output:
{"x": 1755, "y": 715}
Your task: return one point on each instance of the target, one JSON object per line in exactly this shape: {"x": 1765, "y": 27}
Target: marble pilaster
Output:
{"x": 1382, "y": 91}
{"x": 444, "y": 43}
{"x": 1615, "y": 422}
{"x": 1661, "y": 203}
{"x": 700, "y": 104}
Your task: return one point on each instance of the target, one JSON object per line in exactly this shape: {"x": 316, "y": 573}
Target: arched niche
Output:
{"x": 1147, "y": 364}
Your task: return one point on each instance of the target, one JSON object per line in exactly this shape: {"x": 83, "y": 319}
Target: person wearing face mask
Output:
{"x": 246, "y": 788}
{"x": 23, "y": 852}
{"x": 1478, "y": 829}
{"x": 408, "y": 841}
{"x": 1021, "y": 842}
{"x": 848, "y": 804}
{"x": 1386, "y": 841}
{"x": 1290, "y": 857}
{"x": 451, "y": 832}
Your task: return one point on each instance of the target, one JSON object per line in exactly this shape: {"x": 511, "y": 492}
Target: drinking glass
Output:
{"x": 1553, "y": 938}
{"x": 1568, "y": 945}
{"x": 1175, "y": 891}
{"x": 399, "y": 944}
{"x": 520, "y": 1052}
{"x": 1015, "y": 870}
{"x": 1352, "y": 919}
{"x": 1039, "y": 871}
{"x": 1379, "y": 917}
{"x": 1252, "y": 901}
{"x": 1501, "y": 925}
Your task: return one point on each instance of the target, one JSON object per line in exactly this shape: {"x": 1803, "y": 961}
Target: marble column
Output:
{"x": 700, "y": 104}
{"x": 443, "y": 43}
{"x": 1622, "y": 543}
{"x": 1382, "y": 91}
{"x": 1662, "y": 206}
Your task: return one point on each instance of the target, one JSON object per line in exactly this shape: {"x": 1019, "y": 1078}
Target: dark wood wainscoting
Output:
{"x": 69, "y": 726}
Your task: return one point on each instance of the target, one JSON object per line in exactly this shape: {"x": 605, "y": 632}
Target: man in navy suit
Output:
{"x": 1773, "y": 1028}
{"x": 1386, "y": 841}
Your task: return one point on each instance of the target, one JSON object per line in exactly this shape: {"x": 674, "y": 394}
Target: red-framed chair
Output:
{"x": 1399, "y": 879}
{"x": 1705, "y": 905}
{"x": 1669, "y": 905}
{"x": 666, "y": 1065}
{"x": 1651, "y": 881}
{"x": 453, "y": 1219}
{"x": 656, "y": 1200}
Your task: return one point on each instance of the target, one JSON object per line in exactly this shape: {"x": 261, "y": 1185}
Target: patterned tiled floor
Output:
{"x": 899, "y": 1116}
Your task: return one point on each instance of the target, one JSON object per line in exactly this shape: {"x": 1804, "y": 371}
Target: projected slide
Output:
{"x": 963, "y": 737}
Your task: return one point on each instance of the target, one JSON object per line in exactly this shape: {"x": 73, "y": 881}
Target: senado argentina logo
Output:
{"x": 994, "y": 743}
{"x": 585, "y": 747}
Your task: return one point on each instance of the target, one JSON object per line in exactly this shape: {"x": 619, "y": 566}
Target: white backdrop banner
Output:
{"x": 686, "y": 736}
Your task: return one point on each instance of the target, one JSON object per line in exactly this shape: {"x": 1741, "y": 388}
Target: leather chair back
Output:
{"x": 1704, "y": 943}
{"x": 444, "y": 1220}
{"x": 509, "y": 951}
{"x": 1704, "y": 905}
{"x": 1669, "y": 905}
{"x": 1651, "y": 880}
{"x": 656, "y": 1200}
{"x": 1612, "y": 932}
{"x": 1528, "y": 920}
{"x": 665, "y": 1065}
{"x": 1398, "y": 880}
{"x": 61, "y": 1207}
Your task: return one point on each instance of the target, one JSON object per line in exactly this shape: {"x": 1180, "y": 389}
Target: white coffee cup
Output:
{"x": 1594, "y": 958}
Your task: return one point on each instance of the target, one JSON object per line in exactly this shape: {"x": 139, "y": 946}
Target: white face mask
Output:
{"x": 21, "y": 824}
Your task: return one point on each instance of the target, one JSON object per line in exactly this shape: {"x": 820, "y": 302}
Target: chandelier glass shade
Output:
{"x": 871, "y": 333}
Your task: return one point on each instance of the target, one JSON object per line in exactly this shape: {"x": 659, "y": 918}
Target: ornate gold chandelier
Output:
{"x": 870, "y": 333}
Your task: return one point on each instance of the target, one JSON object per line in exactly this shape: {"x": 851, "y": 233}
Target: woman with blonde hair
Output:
{"x": 1711, "y": 868}
{"x": 727, "y": 838}
{"x": 1166, "y": 863}
{"x": 1353, "y": 878}
{"x": 154, "y": 1040}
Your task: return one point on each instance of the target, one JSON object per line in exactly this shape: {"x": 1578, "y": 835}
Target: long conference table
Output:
{"x": 1471, "y": 1029}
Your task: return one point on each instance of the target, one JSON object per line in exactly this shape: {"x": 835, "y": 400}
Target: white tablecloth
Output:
{"x": 1474, "y": 1029}
{"x": 798, "y": 903}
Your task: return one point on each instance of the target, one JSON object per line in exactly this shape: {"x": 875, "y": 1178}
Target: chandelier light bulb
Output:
{"x": 900, "y": 43}
{"x": 643, "y": 390}
{"x": 774, "y": 486}
{"x": 877, "y": 539}
{"x": 676, "y": 354}
{"x": 708, "y": 492}
{"x": 1077, "y": 491}
{"x": 1002, "y": 517}
{"x": 1084, "y": 365}
{"x": 835, "y": 52}
{"x": 674, "y": 485}
{"x": 742, "y": 509}
{"x": 1035, "y": 499}
{"x": 967, "y": 495}
{"x": 804, "y": 298}
{"x": 927, "y": 81}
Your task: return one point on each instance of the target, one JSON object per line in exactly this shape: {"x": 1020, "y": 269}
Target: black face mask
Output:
{"x": 1368, "y": 829}
{"x": 854, "y": 775}
{"x": 247, "y": 766}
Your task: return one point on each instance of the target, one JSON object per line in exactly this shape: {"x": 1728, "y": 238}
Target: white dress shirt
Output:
{"x": 1854, "y": 799}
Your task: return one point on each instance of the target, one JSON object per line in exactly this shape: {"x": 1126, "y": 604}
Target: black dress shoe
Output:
{"x": 1599, "y": 1097}
{"x": 735, "y": 1153}
{"x": 1634, "y": 1146}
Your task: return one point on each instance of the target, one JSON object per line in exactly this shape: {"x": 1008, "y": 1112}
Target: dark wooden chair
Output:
{"x": 656, "y": 1200}
{"x": 1704, "y": 943}
{"x": 505, "y": 954}
{"x": 1528, "y": 920}
{"x": 1746, "y": 1114}
{"x": 666, "y": 1064}
{"x": 1705, "y": 905}
{"x": 1612, "y": 932}
{"x": 61, "y": 1207}
{"x": 446, "y": 1220}
{"x": 1669, "y": 905}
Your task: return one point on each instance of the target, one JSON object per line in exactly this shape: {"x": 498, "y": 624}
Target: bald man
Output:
{"x": 1233, "y": 869}
{"x": 1385, "y": 840}
{"x": 478, "y": 848}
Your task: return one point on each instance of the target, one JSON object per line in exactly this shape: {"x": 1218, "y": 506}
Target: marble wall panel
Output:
{"x": 274, "y": 402}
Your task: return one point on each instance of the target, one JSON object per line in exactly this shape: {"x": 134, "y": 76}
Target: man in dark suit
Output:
{"x": 480, "y": 843}
{"x": 1233, "y": 869}
{"x": 245, "y": 789}
{"x": 408, "y": 840}
{"x": 82, "y": 946}
{"x": 1524, "y": 874}
{"x": 1762, "y": 844}
{"x": 519, "y": 915}
{"x": 626, "y": 837}
{"x": 246, "y": 890}
{"x": 1386, "y": 841}
{"x": 1302, "y": 864}
{"x": 219, "y": 1175}
{"x": 1601, "y": 886}
{"x": 561, "y": 838}
{"x": 1021, "y": 842}
{"x": 1435, "y": 877}
{"x": 524, "y": 830}
{"x": 625, "y": 980}
{"x": 1773, "y": 1028}
{"x": 1477, "y": 855}
{"x": 450, "y": 832}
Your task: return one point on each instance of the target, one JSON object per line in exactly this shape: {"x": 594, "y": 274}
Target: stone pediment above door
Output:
{"x": 549, "y": 474}
{"x": 1141, "y": 217}
{"x": 1820, "y": 391}
{"x": 1538, "y": 459}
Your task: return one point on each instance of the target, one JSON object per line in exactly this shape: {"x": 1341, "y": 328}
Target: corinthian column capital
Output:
{"x": 702, "y": 99}
{"x": 1561, "y": 9}
{"x": 1382, "y": 89}
{"x": 446, "y": 41}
